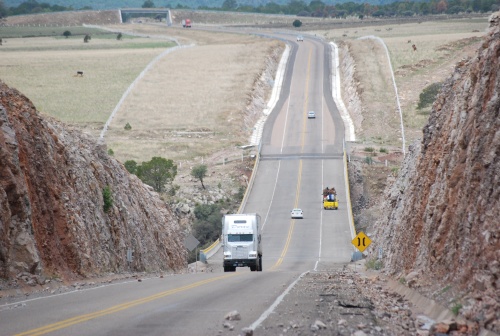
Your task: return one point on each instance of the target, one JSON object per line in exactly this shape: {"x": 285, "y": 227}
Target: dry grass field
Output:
{"x": 439, "y": 46}
{"x": 45, "y": 68}
{"x": 192, "y": 103}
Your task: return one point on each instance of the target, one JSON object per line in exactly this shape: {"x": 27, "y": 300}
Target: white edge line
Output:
{"x": 278, "y": 300}
{"x": 272, "y": 196}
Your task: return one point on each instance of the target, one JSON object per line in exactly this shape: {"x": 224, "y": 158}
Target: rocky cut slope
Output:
{"x": 441, "y": 233}
{"x": 52, "y": 217}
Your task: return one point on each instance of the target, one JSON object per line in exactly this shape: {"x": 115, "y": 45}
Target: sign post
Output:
{"x": 190, "y": 242}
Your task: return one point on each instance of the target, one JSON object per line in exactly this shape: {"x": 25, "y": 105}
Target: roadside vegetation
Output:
{"x": 157, "y": 173}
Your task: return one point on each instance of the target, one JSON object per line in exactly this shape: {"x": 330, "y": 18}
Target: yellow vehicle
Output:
{"x": 330, "y": 200}
{"x": 329, "y": 205}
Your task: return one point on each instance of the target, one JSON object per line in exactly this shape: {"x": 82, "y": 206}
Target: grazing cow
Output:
{"x": 414, "y": 47}
{"x": 79, "y": 73}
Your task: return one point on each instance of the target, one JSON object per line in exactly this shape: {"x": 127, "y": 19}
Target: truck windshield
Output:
{"x": 239, "y": 237}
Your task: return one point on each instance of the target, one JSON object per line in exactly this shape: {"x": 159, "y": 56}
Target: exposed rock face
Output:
{"x": 443, "y": 213}
{"x": 52, "y": 218}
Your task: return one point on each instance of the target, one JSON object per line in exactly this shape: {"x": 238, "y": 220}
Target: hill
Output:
{"x": 113, "y": 4}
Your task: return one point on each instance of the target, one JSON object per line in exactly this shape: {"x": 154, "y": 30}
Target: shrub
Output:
{"x": 428, "y": 95}
{"x": 369, "y": 160}
{"x": 131, "y": 166}
{"x": 456, "y": 308}
{"x": 111, "y": 152}
{"x": 67, "y": 33}
{"x": 173, "y": 190}
{"x": 297, "y": 23}
{"x": 208, "y": 224}
{"x": 241, "y": 193}
{"x": 374, "y": 264}
{"x": 87, "y": 38}
{"x": 107, "y": 198}
{"x": 128, "y": 127}
{"x": 119, "y": 37}
{"x": 383, "y": 150}
{"x": 369, "y": 149}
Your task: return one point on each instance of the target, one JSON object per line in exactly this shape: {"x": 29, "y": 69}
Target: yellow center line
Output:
{"x": 86, "y": 317}
{"x": 299, "y": 177}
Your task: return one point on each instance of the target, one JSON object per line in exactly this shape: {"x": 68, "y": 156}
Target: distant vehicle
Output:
{"x": 297, "y": 213}
{"x": 241, "y": 242}
{"x": 186, "y": 23}
{"x": 311, "y": 115}
{"x": 300, "y": 38}
{"x": 330, "y": 199}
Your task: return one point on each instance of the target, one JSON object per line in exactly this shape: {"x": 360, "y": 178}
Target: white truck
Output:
{"x": 241, "y": 242}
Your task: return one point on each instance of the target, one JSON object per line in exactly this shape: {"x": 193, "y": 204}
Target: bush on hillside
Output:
{"x": 428, "y": 95}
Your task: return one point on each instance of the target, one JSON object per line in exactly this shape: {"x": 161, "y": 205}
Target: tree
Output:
{"x": 199, "y": 172}
{"x": 67, "y": 33}
{"x": 87, "y": 38}
{"x": 207, "y": 226}
{"x": 119, "y": 38}
{"x": 157, "y": 172}
{"x": 3, "y": 9}
{"x": 229, "y": 5}
{"x": 148, "y": 4}
{"x": 297, "y": 23}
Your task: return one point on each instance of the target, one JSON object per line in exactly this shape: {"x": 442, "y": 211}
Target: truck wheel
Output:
{"x": 253, "y": 268}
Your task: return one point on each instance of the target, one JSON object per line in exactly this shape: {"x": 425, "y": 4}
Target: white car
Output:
{"x": 311, "y": 115}
{"x": 297, "y": 213}
{"x": 300, "y": 38}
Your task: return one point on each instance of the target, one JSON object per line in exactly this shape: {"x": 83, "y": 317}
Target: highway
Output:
{"x": 299, "y": 157}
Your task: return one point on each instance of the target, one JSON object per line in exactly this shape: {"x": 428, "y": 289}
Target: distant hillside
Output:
{"x": 112, "y": 4}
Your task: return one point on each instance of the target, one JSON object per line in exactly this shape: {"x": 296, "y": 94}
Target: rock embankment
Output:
{"x": 440, "y": 233}
{"x": 53, "y": 222}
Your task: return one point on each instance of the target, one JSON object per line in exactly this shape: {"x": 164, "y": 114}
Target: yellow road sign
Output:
{"x": 361, "y": 241}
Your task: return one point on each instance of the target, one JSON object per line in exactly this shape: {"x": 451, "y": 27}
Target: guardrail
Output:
{"x": 209, "y": 251}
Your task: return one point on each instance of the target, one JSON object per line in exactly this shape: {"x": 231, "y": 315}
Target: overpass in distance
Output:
{"x": 160, "y": 11}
